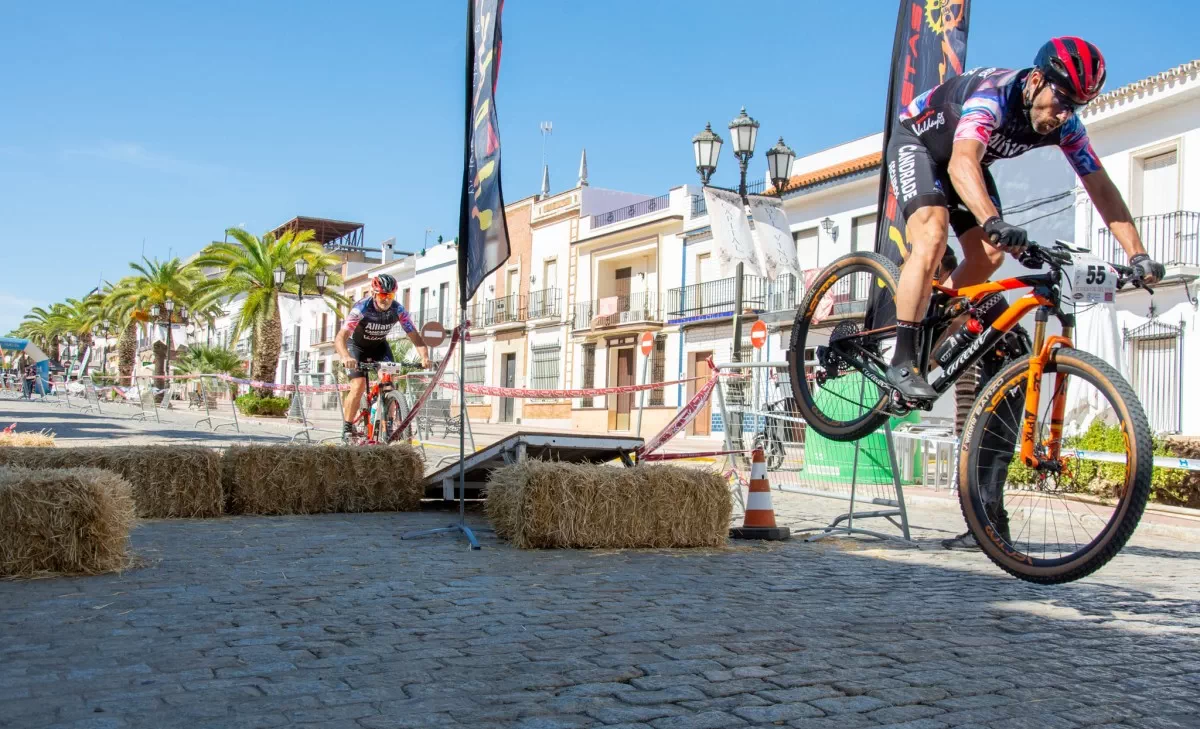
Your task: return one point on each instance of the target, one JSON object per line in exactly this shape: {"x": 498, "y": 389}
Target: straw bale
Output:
{"x": 64, "y": 521}
{"x": 41, "y": 439}
{"x": 302, "y": 479}
{"x": 538, "y": 504}
{"x": 167, "y": 481}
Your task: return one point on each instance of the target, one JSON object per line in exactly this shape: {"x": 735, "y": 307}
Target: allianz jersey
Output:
{"x": 367, "y": 324}
{"x": 985, "y": 104}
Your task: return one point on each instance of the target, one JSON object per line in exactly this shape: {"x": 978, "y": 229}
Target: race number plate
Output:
{"x": 1090, "y": 280}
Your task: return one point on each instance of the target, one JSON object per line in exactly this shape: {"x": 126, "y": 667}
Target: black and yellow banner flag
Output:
{"x": 930, "y": 46}
{"x": 483, "y": 231}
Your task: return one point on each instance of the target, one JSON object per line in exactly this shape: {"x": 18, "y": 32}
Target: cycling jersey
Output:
{"x": 367, "y": 324}
{"x": 984, "y": 104}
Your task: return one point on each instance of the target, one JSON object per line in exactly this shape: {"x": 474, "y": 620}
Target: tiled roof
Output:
{"x": 841, "y": 169}
{"x": 1146, "y": 84}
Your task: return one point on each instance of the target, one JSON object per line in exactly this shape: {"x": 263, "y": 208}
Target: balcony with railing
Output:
{"x": 321, "y": 335}
{"x": 643, "y": 307}
{"x": 1172, "y": 239}
{"x": 545, "y": 304}
{"x": 700, "y": 207}
{"x": 504, "y": 310}
{"x": 716, "y": 299}
{"x": 784, "y": 293}
{"x": 627, "y": 212}
{"x": 289, "y": 343}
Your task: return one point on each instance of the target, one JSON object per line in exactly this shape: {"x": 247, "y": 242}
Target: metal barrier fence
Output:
{"x": 215, "y": 398}
{"x": 758, "y": 411}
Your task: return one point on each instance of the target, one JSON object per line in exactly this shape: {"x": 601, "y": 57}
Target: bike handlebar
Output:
{"x": 1035, "y": 255}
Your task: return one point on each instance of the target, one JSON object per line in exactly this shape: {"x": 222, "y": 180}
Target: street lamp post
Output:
{"x": 706, "y": 145}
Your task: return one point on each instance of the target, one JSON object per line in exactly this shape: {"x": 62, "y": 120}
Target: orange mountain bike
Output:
{"x": 1038, "y": 510}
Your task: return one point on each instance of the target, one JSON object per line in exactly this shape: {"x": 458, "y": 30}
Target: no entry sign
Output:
{"x": 758, "y": 334}
{"x": 646, "y": 342}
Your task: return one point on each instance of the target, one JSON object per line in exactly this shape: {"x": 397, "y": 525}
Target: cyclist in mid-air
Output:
{"x": 938, "y": 159}
{"x": 364, "y": 339}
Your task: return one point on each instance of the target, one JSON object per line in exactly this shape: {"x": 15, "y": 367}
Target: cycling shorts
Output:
{"x": 917, "y": 181}
{"x": 373, "y": 352}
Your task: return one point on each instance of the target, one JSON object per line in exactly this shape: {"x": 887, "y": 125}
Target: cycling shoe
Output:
{"x": 909, "y": 384}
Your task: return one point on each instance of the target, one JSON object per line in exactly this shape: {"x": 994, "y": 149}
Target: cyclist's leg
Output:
{"x": 358, "y": 385}
{"x": 980, "y": 257}
{"x": 919, "y": 194}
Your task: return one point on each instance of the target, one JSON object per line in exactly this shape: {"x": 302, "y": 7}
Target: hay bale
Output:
{"x": 41, "y": 439}
{"x": 264, "y": 479}
{"x": 64, "y": 521}
{"x": 168, "y": 481}
{"x": 538, "y": 504}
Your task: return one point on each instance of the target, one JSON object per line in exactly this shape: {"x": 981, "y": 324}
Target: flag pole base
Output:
{"x": 466, "y": 531}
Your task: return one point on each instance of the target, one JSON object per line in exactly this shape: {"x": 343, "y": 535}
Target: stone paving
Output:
{"x": 333, "y": 621}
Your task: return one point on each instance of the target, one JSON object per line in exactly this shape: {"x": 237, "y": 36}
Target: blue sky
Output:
{"x": 160, "y": 124}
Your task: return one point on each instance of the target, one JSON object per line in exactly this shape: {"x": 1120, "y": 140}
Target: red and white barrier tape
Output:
{"x": 685, "y": 415}
{"x": 412, "y": 413}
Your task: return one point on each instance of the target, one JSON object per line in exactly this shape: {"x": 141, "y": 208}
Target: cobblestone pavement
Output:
{"x": 333, "y": 621}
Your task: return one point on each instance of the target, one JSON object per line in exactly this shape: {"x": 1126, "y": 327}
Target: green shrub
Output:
{"x": 252, "y": 404}
{"x": 1103, "y": 479}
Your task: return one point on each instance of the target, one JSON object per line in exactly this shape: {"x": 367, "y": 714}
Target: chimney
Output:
{"x": 388, "y": 255}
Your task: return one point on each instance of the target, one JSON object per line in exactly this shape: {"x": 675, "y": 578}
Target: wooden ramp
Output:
{"x": 568, "y": 448}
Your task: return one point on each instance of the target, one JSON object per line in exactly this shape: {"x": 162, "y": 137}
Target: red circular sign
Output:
{"x": 647, "y": 343}
{"x": 758, "y": 334}
{"x": 433, "y": 333}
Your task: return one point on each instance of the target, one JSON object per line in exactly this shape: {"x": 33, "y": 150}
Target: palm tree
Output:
{"x": 247, "y": 268}
{"x": 133, "y": 298}
{"x": 45, "y": 328}
{"x": 202, "y": 359}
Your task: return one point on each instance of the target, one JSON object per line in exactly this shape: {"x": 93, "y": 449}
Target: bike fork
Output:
{"x": 1033, "y": 390}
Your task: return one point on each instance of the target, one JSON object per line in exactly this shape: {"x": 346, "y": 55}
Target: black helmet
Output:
{"x": 383, "y": 284}
{"x": 1074, "y": 66}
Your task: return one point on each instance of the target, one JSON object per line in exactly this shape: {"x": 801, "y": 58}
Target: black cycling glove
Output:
{"x": 1145, "y": 267}
{"x": 1008, "y": 238}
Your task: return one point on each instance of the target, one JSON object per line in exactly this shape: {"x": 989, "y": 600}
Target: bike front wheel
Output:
{"x": 1069, "y": 516}
{"x": 836, "y": 361}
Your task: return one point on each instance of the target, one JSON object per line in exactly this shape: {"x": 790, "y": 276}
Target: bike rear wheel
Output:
{"x": 832, "y": 393}
{"x": 1071, "y": 515}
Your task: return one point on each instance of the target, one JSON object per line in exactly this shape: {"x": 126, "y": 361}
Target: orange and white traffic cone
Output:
{"x": 759, "y": 520}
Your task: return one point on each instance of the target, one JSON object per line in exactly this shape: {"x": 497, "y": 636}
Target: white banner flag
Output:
{"x": 772, "y": 237}
{"x": 732, "y": 238}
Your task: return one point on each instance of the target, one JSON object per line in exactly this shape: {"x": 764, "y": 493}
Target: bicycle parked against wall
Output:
{"x": 1037, "y": 517}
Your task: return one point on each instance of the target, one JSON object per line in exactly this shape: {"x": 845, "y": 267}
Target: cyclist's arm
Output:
{"x": 1100, "y": 188}
{"x": 966, "y": 174}
{"x": 1107, "y": 199}
{"x": 339, "y": 344}
{"x": 414, "y": 336}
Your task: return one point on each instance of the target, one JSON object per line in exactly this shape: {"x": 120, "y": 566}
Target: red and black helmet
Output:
{"x": 1074, "y": 66}
{"x": 383, "y": 284}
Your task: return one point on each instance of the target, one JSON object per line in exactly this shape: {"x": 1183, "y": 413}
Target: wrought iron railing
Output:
{"x": 319, "y": 335}
{"x": 700, "y": 207}
{"x": 784, "y": 293}
{"x": 504, "y": 310}
{"x": 716, "y": 298}
{"x": 545, "y": 304}
{"x": 1170, "y": 239}
{"x": 610, "y": 311}
{"x": 644, "y": 207}
{"x": 1155, "y": 355}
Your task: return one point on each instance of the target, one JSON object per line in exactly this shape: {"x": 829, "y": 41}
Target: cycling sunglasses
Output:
{"x": 389, "y": 296}
{"x": 1065, "y": 101}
